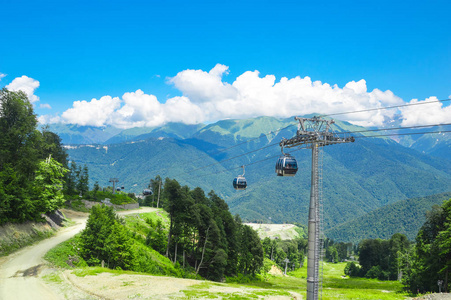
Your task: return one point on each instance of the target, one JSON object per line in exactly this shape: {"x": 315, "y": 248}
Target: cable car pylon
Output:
{"x": 314, "y": 133}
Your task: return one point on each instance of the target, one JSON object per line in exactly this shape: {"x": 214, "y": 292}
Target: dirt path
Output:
{"x": 19, "y": 272}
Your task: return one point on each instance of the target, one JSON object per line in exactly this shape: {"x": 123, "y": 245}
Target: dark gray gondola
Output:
{"x": 286, "y": 166}
{"x": 239, "y": 183}
{"x": 147, "y": 192}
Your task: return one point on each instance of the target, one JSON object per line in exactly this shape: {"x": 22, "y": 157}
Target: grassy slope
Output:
{"x": 147, "y": 259}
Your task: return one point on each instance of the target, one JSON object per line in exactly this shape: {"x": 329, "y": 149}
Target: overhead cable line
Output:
{"x": 271, "y": 132}
{"x": 394, "y": 128}
{"x": 249, "y": 164}
{"x": 372, "y": 109}
{"x": 273, "y": 144}
{"x": 275, "y": 156}
{"x": 230, "y": 158}
{"x": 253, "y": 139}
{"x": 396, "y": 134}
{"x": 387, "y": 107}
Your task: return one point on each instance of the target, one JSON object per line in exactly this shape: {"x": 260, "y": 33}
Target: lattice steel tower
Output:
{"x": 314, "y": 133}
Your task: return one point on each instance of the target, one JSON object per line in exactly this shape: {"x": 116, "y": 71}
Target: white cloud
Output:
{"x": 27, "y": 85}
{"x": 434, "y": 113}
{"x": 207, "y": 98}
{"x": 93, "y": 113}
{"x": 200, "y": 86}
{"x": 45, "y": 105}
{"x": 2, "y": 76}
{"x": 49, "y": 119}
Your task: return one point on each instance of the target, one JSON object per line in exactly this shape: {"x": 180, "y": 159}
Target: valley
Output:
{"x": 358, "y": 178}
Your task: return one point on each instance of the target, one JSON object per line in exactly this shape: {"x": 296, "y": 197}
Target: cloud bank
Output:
{"x": 206, "y": 97}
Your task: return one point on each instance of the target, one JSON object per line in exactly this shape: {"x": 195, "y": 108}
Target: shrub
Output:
{"x": 374, "y": 272}
{"x": 352, "y": 270}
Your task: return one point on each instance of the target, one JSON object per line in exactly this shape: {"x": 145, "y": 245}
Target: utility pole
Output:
{"x": 314, "y": 133}
{"x": 159, "y": 189}
{"x": 286, "y": 260}
{"x": 114, "y": 180}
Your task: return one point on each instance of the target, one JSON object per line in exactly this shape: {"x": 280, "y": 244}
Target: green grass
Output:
{"x": 334, "y": 285}
{"x": 202, "y": 291}
{"x": 92, "y": 271}
{"x": 53, "y": 278}
{"x": 78, "y": 205}
{"x": 65, "y": 255}
{"x": 138, "y": 223}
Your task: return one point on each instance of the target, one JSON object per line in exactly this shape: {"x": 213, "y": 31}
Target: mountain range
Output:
{"x": 358, "y": 177}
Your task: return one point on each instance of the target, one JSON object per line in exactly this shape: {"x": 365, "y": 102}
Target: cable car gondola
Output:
{"x": 147, "y": 192}
{"x": 239, "y": 183}
{"x": 286, "y": 165}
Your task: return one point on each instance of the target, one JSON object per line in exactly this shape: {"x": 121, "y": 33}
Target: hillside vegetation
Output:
{"x": 405, "y": 216}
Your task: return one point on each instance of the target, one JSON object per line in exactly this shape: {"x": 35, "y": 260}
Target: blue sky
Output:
{"x": 80, "y": 50}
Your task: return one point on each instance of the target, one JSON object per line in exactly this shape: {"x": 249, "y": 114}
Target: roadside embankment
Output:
{"x": 15, "y": 236}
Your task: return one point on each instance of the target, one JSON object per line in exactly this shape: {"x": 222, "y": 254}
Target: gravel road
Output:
{"x": 19, "y": 272}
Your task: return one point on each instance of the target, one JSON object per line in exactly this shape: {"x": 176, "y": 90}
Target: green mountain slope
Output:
{"x": 135, "y": 163}
{"x": 75, "y": 134}
{"x": 405, "y": 216}
{"x": 437, "y": 144}
{"x": 357, "y": 178}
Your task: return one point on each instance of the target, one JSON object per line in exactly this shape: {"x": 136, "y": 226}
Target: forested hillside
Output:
{"x": 358, "y": 177}
{"x": 438, "y": 144}
{"x": 405, "y": 216}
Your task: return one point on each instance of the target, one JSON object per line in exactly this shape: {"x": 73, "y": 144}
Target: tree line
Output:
{"x": 203, "y": 234}
{"x": 382, "y": 259}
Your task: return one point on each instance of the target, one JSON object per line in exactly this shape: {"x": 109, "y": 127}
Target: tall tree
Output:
{"x": 48, "y": 186}
{"x": 19, "y": 137}
{"x": 52, "y": 146}
{"x": 19, "y": 157}
{"x": 251, "y": 251}
{"x": 431, "y": 259}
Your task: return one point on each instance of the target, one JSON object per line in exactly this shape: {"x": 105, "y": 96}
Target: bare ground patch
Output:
{"x": 125, "y": 286}
{"x": 280, "y": 231}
